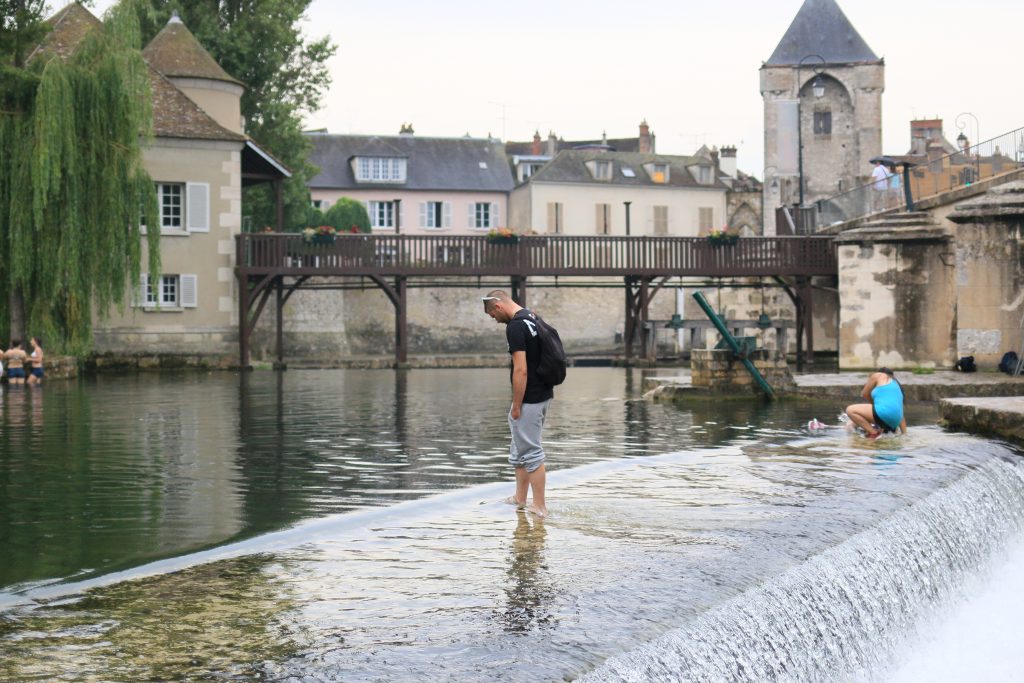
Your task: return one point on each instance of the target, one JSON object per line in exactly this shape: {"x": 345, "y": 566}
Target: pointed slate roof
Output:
{"x": 177, "y": 116}
{"x": 821, "y": 28}
{"x": 68, "y": 27}
{"x": 175, "y": 52}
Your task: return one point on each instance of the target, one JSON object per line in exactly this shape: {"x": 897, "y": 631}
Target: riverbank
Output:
{"x": 1003, "y": 417}
{"x": 847, "y": 385}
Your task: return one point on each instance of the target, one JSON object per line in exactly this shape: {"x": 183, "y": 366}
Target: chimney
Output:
{"x": 727, "y": 160}
{"x": 406, "y": 129}
{"x": 645, "y": 144}
{"x": 535, "y": 149}
{"x": 552, "y": 143}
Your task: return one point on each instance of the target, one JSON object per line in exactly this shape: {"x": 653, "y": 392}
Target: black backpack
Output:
{"x": 966, "y": 364}
{"x": 553, "y": 363}
{"x": 1009, "y": 362}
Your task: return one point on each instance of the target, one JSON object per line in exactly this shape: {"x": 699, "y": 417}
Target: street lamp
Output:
{"x": 818, "y": 88}
{"x": 972, "y": 174}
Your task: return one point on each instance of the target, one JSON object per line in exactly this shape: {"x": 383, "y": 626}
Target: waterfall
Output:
{"x": 840, "y": 614}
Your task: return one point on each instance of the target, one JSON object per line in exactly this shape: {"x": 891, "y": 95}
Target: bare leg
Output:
{"x": 861, "y": 415}
{"x": 537, "y": 480}
{"x": 522, "y": 485}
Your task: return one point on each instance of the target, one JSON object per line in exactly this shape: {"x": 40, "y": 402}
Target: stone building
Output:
{"x": 413, "y": 184}
{"x": 199, "y": 158}
{"x": 822, "y": 87}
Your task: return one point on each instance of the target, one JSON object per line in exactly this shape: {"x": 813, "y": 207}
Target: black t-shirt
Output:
{"x": 521, "y": 334}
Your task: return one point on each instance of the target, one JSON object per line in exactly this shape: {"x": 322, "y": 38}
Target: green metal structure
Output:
{"x": 742, "y": 351}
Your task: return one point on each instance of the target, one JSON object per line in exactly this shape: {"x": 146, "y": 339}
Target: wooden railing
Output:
{"x": 403, "y": 255}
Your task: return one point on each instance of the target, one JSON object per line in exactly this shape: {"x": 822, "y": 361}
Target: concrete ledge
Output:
{"x": 990, "y": 416}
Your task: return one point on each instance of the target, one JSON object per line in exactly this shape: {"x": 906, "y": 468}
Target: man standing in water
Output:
{"x": 530, "y": 399}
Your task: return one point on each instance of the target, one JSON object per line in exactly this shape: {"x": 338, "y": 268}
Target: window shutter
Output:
{"x": 599, "y": 219}
{"x": 423, "y": 214}
{"x": 189, "y": 295}
{"x": 197, "y": 200}
{"x": 447, "y": 209}
{"x": 495, "y": 215}
{"x": 140, "y": 292}
{"x": 472, "y": 215}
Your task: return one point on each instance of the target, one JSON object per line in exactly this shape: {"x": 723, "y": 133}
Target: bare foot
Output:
{"x": 511, "y": 500}
{"x": 533, "y": 510}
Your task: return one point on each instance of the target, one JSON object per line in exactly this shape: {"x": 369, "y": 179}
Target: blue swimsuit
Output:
{"x": 887, "y": 403}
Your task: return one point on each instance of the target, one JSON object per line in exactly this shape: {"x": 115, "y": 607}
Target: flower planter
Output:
{"x": 503, "y": 240}
{"x": 323, "y": 239}
{"x": 723, "y": 240}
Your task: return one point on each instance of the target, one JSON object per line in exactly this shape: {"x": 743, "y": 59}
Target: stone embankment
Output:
{"x": 847, "y": 385}
{"x": 1002, "y": 416}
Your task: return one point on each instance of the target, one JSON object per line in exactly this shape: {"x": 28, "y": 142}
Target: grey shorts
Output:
{"x": 525, "y": 450}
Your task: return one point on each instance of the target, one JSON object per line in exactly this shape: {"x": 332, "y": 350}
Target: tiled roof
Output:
{"x": 176, "y": 116}
{"x": 821, "y": 29}
{"x": 617, "y": 144}
{"x": 432, "y": 163}
{"x": 69, "y": 27}
{"x": 175, "y": 52}
{"x": 570, "y": 167}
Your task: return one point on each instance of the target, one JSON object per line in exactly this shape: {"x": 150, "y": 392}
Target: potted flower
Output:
{"x": 721, "y": 237}
{"x": 322, "y": 235}
{"x": 502, "y": 236}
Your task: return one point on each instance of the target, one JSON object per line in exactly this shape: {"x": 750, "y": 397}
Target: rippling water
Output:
{"x": 345, "y": 525}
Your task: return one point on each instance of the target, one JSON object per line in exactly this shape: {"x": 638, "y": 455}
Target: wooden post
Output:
{"x": 279, "y": 365}
{"x": 645, "y": 332}
{"x": 519, "y": 291}
{"x": 279, "y": 199}
{"x": 808, "y": 297}
{"x": 243, "y": 320}
{"x": 627, "y": 331}
{"x": 401, "y": 325}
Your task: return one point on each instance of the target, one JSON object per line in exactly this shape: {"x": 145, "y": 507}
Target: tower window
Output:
{"x": 822, "y": 123}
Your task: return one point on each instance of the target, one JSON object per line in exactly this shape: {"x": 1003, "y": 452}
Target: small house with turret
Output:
{"x": 199, "y": 158}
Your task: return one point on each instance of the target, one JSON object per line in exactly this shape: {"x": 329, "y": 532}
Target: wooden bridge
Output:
{"x": 277, "y": 265}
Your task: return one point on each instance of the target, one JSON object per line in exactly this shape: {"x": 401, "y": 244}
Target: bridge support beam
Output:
{"x": 401, "y": 322}
{"x": 638, "y": 299}
{"x": 518, "y": 292}
{"x": 279, "y": 342}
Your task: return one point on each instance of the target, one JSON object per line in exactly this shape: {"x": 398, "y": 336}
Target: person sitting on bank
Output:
{"x": 885, "y": 412}
{"x": 36, "y": 375}
{"x": 15, "y": 357}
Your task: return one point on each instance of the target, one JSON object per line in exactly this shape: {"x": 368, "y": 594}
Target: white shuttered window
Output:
{"x": 197, "y": 206}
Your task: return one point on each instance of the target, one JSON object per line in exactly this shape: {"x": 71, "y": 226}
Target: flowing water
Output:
{"x": 348, "y": 526}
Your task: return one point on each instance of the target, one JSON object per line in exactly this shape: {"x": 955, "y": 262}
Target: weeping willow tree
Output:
{"x": 73, "y": 191}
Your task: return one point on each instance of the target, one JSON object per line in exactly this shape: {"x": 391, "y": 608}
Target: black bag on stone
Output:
{"x": 966, "y": 364}
{"x": 1009, "y": 362}
{"x": 553, "y": 362}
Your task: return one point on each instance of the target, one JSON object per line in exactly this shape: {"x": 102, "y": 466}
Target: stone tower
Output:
{"x": 840, "y": 130}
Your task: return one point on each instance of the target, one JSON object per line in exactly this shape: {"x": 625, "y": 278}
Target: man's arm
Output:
{"x": 518, "y": 382}
{"x": 903, "y": 425}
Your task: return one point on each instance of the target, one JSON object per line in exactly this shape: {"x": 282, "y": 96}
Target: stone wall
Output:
{"x": 922, "y": 290}
{"x": 719, "y": 371}
{"x": 328, "y": 325}
{"x": 897, "y": 303}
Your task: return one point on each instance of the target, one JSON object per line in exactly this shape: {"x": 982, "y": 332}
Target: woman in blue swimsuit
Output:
{"x": 885, "y": 412}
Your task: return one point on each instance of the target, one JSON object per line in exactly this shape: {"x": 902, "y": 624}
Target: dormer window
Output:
{"x": 601, "y": 170}
{"x": 704, "y": 175}
{"x": 380, "y": 169}
{"x": 658, "y": 173}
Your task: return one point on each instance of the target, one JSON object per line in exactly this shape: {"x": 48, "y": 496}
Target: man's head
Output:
{"x": 500, "y": 306}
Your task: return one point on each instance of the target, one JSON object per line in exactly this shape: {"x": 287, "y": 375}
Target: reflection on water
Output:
{"x": 529, "y": 588}
{"x": 401, "y": 563}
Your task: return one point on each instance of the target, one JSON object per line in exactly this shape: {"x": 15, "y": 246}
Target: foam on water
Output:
{"x": 842, "y": 615}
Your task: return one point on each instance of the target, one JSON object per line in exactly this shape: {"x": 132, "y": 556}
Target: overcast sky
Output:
{"x": 452, "y": 67}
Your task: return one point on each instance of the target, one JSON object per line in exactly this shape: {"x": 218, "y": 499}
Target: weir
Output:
{"x": 844, "y": 613}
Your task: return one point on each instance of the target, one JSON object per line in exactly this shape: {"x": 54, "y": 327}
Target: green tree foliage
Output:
{"x": 73, "y": 191}
{"x": 260, "y": 42}
{"x": 21, "y": 29}
{"x": 347, "y": 214}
